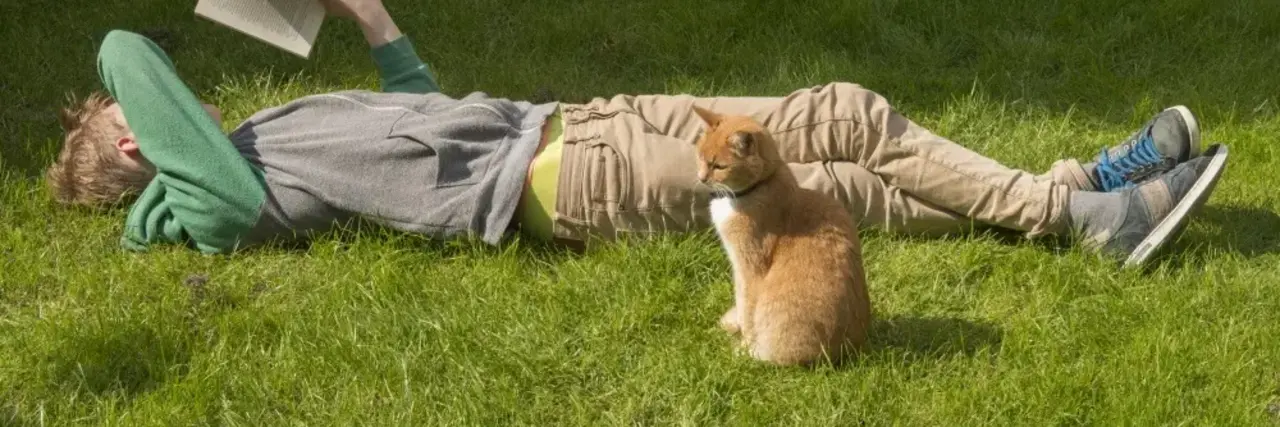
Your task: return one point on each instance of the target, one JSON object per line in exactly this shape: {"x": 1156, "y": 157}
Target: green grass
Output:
{"x": 386, "y": 329}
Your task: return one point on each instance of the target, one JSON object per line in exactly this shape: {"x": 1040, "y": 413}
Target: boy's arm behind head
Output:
{"x": 204, "y": 192}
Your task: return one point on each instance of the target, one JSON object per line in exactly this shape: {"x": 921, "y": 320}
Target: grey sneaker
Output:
{"x": 1169, "y": 138}
{"x": 1152, "y": 213}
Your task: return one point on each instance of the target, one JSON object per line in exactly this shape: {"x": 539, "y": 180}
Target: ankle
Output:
{"x": 1092, "y": 214}
{"x": 1090, "y": 171}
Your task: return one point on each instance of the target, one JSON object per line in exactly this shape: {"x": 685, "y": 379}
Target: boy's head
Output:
{"x": 99, "y": 164}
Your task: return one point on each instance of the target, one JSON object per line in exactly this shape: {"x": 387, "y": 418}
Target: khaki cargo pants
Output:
{"x": 628, "y": 167}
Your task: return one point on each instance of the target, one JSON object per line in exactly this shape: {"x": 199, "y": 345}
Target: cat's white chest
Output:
{"x": 721, "y": 210}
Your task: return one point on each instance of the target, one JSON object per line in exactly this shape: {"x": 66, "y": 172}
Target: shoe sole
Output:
{"x": 1174, "y": 223}
{"x": 1193, "y": 128}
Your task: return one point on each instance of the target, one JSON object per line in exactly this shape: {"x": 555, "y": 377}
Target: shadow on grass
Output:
{"x": 1245, "y": 230}
{"x": 357, "y": 232}
{"x": 128, "y": 361}
{"x": 917, "y": 338}
{"x": 1051, "y": 244}
{"x": 1248, "y": 231}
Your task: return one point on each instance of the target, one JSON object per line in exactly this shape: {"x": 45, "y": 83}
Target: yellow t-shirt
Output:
{"x": 538, "y": 205}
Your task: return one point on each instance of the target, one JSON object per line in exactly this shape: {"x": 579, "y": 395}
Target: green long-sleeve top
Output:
{"x": 204, "y": 194}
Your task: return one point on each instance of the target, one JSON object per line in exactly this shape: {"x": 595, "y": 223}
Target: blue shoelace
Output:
{"x": 1116, "y": 172}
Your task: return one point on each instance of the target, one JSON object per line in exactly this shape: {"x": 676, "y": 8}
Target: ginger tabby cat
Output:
{"x": 799, "y": 287}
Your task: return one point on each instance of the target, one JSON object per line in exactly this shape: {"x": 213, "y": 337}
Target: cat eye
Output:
{"x": 716, "y": 166}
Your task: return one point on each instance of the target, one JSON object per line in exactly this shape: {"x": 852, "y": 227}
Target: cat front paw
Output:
{"x": 731, "y": 322}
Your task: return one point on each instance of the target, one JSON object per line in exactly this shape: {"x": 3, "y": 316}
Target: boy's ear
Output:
{"x": 742, "y": 143}
{"x": 127, "y": 144}
{"x": 712, "y": 119}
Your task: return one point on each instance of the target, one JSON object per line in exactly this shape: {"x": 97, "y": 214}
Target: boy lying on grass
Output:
{"x": 419, "y": 161}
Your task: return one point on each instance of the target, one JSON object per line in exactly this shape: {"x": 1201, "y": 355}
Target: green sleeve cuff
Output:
{"x": 401, "y": 70}
{"x": 396, "y": 56}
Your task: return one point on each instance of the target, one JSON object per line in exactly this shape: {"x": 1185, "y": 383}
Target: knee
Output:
{"x": 855, "y": 93}
{"x": 836, "y": 93}
{"x": 844, "y": 87}
{"x": 863, "y": 105}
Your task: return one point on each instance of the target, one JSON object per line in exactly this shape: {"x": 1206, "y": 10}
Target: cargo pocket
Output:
{"x": 453, "y": 162}
{"x": 609, "y": 178}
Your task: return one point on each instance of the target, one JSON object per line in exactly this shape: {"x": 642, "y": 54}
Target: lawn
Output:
{"x": 384, "y": 329}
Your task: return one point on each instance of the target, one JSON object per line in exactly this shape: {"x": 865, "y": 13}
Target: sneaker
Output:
{"x": 1150, "y": 214}
{"x": 1168, "y": 139}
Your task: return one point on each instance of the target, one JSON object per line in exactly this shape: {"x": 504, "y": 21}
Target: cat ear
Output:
{"x": 711, "y": 118}
{"x": 742, "y": 143}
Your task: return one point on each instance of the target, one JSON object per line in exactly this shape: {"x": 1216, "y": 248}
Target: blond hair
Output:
{"x": 89, "y": 171}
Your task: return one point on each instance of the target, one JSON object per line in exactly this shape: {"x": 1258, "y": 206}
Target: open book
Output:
{"x": 291, "y": 25}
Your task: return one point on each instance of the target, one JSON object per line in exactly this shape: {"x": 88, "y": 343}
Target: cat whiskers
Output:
{"x": 721, "y": 190}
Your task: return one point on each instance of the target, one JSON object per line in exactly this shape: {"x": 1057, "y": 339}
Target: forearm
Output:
{"x": 399, "y": 67}
{"x": 175, "y": 132}
{"x": 377, "y": 25}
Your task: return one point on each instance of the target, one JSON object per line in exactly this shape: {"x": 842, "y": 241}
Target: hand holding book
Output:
{"x": 292, "y": 25}
{"x": 352, "y": 9}
{"x": 372, "y": 17}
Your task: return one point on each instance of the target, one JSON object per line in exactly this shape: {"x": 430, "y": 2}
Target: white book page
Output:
{"x": 291, "y": 25}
